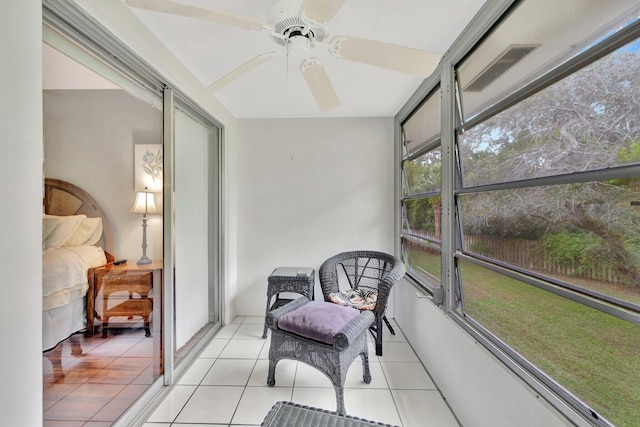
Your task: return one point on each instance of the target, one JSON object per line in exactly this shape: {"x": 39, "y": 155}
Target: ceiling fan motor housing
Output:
{"x": 286, "y": 20}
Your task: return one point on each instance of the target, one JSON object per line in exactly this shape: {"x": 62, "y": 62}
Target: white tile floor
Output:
{"x": 226, "y": 385}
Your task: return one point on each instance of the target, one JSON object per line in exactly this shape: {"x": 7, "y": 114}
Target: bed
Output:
{"x": 77, "y": 237}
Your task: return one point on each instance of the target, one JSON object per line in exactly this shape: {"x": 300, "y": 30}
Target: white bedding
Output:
{"x": 64, "y": 273}
{"x": 64, "y": 286}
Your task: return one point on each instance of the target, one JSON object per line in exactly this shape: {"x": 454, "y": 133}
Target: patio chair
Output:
{"x": 370, "y": 275}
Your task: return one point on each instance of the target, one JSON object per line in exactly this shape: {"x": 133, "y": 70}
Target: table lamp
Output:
{"x": 144, "y": 204}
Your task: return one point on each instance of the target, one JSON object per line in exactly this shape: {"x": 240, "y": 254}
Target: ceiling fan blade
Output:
{"x": 175, "y": 8}
{"x": 238, "y": 72}
{"x": 321, "y": 11}
{"x": 399, "y": 58}
{"x": 319, "y": 83}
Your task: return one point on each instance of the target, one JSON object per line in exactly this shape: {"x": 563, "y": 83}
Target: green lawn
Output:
{"x": 592, "y": 354}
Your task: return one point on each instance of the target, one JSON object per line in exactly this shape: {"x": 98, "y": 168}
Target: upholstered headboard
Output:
{"x": 63, "y": 198}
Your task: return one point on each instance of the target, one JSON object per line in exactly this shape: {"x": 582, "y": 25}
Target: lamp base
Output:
{"x": 144, "y": 260}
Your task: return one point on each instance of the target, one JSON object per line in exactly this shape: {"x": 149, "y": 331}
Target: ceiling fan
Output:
{"x": 299, "y": 26}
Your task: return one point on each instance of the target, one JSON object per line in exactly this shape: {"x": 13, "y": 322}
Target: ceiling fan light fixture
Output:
{"x": 298, "y": 46}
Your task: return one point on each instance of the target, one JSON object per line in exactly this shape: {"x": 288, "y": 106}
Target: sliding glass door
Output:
{"x": 152, "y": 130}
{"x": 196, "y": 302}
{"x": 100, "y": 136}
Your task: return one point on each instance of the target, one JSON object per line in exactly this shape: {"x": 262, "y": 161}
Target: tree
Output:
{"x": 423, "y": 175}
{"x": 587, "y": 121}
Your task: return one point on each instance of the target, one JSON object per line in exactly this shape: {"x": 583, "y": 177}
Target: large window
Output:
{"x": 546, "y": 199}
{"x": 421, "y": 182}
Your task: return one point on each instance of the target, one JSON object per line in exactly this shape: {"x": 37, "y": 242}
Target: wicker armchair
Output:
{"x": 367, "y": 272}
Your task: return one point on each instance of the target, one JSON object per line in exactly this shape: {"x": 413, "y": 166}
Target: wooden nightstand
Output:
{"x": 125, "y": 292}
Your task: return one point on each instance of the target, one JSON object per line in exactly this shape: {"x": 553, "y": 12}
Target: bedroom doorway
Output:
{"x": 92, "y": 126}
{"x": 183, "y": 238}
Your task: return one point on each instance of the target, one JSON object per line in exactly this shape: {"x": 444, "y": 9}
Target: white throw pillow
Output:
{"x": 88, "y": 233}
{"x": 59, "y": 229}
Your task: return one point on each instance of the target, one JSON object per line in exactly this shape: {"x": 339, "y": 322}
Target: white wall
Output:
{"x": 308, "y": 189}
{"x": 21, "y": 232}
{"x": 481, "y": 391}
{"x": 89, "y": 138}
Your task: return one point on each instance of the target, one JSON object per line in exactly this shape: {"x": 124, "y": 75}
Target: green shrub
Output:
{"x": 572, "y": 248}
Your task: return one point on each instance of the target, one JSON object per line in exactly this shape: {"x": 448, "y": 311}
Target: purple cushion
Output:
{"x": 317, "y": 320}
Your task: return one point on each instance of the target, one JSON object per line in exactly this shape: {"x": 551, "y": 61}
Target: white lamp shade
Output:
{"x": 145, "y": 203}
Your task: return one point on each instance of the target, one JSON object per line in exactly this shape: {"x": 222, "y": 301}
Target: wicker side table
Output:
{"x": 288, "y": 414}
{"x": 299, "y": 280}
{"x": 130, "y": 283}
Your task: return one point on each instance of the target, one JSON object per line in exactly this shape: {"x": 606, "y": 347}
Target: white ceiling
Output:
{"x": 276, "y": 88}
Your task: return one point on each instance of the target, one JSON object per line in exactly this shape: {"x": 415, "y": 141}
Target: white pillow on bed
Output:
{"x": 48, "y": 225}
{"x": 56, "y": 230}
{"x": 88, "y": 233}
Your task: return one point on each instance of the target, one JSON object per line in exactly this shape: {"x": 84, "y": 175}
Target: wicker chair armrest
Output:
{"x": 397, "y": 272}
{"x": 353, "y": 330}
{"x": 271, "y": 318}
{"x": 384, "y": 289}
{"x": 327, "y": 274}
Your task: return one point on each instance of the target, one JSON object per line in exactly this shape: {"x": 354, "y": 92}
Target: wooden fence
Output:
{"x": 533, "y": 255}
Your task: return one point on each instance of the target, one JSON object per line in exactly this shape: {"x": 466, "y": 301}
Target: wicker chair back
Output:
{"x": 364, "y": 270}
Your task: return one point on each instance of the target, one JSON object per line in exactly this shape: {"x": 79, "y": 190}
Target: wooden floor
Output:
{"x": 95, "y": 385}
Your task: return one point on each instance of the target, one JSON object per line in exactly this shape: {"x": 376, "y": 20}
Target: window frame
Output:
{"x": 451, "y": 187}
{"x": 431, "y": 144}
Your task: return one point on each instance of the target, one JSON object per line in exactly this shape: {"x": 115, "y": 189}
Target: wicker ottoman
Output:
{"x": 323, "y": 335}
{"x": 288, "y": 414}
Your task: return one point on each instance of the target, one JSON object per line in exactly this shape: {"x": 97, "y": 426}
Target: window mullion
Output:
{"x": 447, "y": 85}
